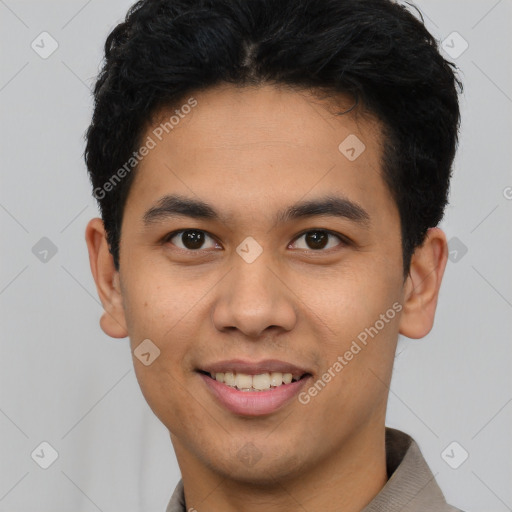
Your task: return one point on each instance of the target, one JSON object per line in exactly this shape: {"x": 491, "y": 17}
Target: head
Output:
{"x": 270, "y": 177}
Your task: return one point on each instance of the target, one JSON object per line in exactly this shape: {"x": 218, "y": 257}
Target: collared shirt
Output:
{"x": 410, "y": 488}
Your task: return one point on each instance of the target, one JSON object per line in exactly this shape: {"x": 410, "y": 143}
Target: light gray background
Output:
{"x": 65, "y": 382}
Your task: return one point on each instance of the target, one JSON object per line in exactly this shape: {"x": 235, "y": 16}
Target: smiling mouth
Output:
{"x": 265, "y": 381}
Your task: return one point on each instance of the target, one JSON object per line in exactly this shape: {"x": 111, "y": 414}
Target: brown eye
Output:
{"x": 190, "y": 239}
{"x": 317, "y": 239}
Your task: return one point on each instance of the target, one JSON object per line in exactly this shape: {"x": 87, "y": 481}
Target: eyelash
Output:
{"x": 343, "y": 239}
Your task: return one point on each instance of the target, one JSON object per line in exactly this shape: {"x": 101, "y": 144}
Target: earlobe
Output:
{"x": 423, "y": 283}
{"x": 106, "y": 277}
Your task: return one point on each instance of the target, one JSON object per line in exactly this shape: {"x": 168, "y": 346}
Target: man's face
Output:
{"x": 252, "y": 153}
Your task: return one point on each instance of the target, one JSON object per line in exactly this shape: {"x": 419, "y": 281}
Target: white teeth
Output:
{"x": 243, "y": 381}
{"x": 276, "y": 379}
{"x": 229, "y": 379}
{"x": 259, "y": 382}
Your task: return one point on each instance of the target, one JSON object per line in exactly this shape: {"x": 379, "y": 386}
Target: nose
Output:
{"x": 253, "y": 298}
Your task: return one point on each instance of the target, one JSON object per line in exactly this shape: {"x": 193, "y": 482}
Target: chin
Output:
{"x": 251, "y": 467}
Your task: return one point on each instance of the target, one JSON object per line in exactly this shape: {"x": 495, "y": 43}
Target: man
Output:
{"x": 270, "y": 176}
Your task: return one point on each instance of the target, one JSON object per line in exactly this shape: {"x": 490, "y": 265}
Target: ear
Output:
{"x": 422, "y": 285}
{"x": 106, "y": 277}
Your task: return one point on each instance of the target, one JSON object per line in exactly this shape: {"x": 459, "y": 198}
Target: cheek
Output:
{"x": 161, "y": 307}
{"x": 346, "y": 301}
{"x": 359, "y": 313}
{"x": 157, "y": 304}
{"x": 162, "y": 385}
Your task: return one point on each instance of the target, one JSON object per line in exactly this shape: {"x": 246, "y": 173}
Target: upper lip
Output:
{"x": 254, "y": 367}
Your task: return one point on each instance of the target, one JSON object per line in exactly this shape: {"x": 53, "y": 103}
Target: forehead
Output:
{"x": 262, "y": 146}
{"x": 236, "y": 116}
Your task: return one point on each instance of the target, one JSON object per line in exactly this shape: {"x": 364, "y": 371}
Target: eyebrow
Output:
{"x": 171, "y": 206}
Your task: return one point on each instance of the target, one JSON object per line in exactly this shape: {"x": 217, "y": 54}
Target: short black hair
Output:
{"x": 377, "y": 51}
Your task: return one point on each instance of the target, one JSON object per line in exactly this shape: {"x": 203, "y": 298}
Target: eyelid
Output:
{"x": 343, "y": 239}
{"x": 167, "y": 238}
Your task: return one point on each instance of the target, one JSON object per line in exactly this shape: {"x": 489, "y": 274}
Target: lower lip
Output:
{"x": 253, "y": 403}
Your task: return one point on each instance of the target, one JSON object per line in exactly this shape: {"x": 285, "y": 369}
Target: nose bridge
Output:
{"x": 252, "y": 298}
{"x": 252, "y": 282}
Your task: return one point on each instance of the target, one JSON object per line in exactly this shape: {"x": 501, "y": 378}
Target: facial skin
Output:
{"x": 250, "y": 153}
